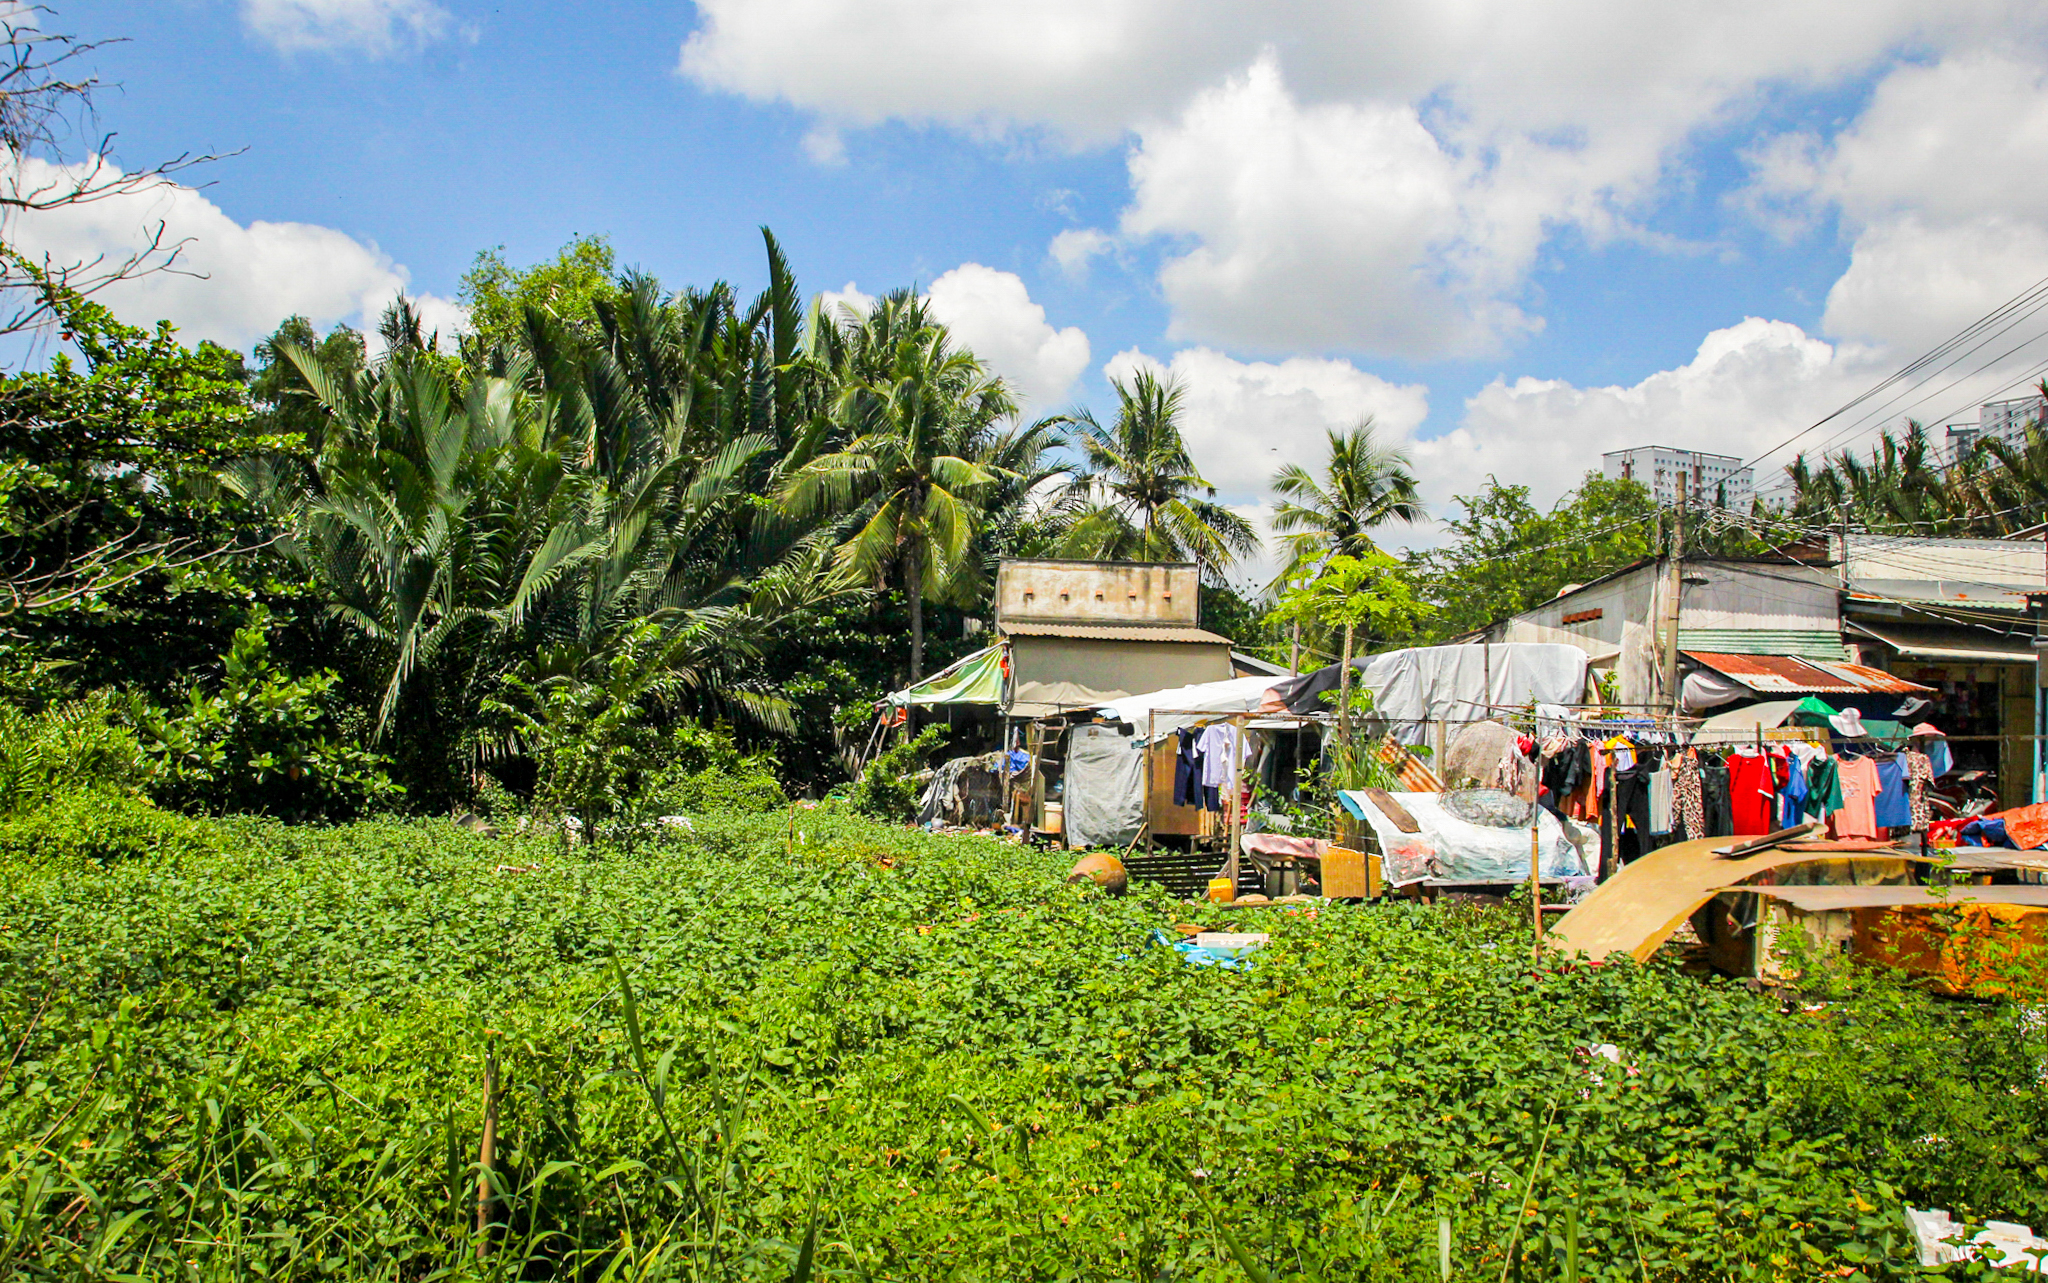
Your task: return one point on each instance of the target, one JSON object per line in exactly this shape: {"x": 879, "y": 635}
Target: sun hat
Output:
{"x": 1928, "y": 728}
{"x": 1848, "y": 722}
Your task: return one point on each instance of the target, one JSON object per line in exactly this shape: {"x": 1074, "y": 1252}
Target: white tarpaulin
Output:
{"x": 1104, "y": 793}
{"x": 1453, "y": 849}
{"x": 1192, "y": 705}
{"x": 1465, "y": 683}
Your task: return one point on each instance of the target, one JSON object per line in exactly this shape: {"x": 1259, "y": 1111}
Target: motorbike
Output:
{"x": 1964, "y": 795}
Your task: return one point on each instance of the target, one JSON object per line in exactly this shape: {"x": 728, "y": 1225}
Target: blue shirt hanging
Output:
{"x": 1894, "y": 808}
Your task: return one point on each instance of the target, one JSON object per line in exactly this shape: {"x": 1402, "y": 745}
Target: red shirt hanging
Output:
{"x": 1751, "y": 786}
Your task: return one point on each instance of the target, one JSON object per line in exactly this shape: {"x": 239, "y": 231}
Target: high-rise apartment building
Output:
{"x": 2008, "y": 420}
{"x": 1717, "y": 479}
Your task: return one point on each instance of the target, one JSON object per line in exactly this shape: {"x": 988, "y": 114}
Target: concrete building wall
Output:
{"x": 1097, "y": 592}
{"x": 1740, "y": 609}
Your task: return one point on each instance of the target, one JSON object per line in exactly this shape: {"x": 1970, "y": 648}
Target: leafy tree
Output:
{"x": 911, "y": 482}
{"x": 114, "y": 540}
{"x": 1364, "y": 485}
{"x": 1138, "y": 496}
{"x": 1369, "y": 591}
{"x": 1506, "y": 555}
{"x": 566, "y": 290}
{"x": 289, "y": 408}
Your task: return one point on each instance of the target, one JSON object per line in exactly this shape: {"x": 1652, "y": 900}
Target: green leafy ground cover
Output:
{"x": 238, "y": 1049}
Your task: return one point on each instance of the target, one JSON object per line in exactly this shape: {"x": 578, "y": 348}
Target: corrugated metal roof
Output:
{"x": 1408, "y": 768}
{"x": 1117, "y": 632}
{"x": 1790, "y": 675}
{"x": 1806, "y": 643}
{"x": 1966, "y": 645}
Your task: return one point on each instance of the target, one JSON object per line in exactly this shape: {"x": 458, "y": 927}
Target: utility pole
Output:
{"x": 1674, "y": 583}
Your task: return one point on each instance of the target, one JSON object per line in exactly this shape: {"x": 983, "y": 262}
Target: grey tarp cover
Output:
{"x": 1105, "y": 786}
{"x": 1425, "y": 683}
{"x": 1450, "y": 849}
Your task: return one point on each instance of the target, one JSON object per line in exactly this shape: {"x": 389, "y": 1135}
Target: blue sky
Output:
{"x": 1517, "y": 234}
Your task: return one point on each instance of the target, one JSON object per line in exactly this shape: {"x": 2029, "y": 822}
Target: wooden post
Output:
{"x": 1151, "y": 729}
{"x": 1535, "y": 882}
{"x": 1675, "y": 586}
{"x": 1232, "y": 827}
{"x": 487, "y": 1153}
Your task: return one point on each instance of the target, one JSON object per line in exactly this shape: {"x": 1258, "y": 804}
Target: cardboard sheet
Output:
{"x": 1823, "y": 899}
{"x": 1638, "y": 908}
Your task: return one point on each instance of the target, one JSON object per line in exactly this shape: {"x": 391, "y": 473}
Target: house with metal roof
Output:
{"x": 1081, "y": 633}
{"x": 1941, "y": 625}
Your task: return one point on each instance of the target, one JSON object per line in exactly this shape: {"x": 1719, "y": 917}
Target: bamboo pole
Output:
{"x": 1536, "y": 882}
{"x": 1233, "y": 827}
{"x": 1151, "y": 732}
{"x": 487, "y": 1154}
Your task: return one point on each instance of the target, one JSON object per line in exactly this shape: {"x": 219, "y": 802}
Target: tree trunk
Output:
{"x": 1344, "y": 707}
{"x": 914, "y": 585}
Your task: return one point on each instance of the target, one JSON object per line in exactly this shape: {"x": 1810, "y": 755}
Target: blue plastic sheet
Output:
{"x": 1197, "y": 955}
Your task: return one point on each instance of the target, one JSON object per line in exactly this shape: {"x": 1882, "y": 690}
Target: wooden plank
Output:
{"x": 1167, "y": 819}
{"x": 1392, "y": 810}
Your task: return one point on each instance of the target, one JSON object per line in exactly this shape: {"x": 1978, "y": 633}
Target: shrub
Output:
{"x": 103, "y": 826}
{"x": 885, "y": 790}
{"x": 714, "y": 789}
{"x": 261, "y": 743}
{"x": 63, "y": 748}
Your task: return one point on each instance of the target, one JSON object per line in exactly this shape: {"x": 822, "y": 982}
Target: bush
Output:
{"x": 263, "y": 743}
{"x": 885, "y": 790}
{"x": 103, "y": 826}
{"x": 715, "y": 789}
{"x": 64, "y": 748}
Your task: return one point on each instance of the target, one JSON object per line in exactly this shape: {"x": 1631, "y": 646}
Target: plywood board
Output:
{"x": 1168, "y": 819}
{"x": 1638, "y": 908}
{"x": 1826, "y": 898}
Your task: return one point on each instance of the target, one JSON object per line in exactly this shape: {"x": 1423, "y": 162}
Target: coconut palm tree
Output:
{"x": 1364, "y": 485}
{"x": 910, "y": 483}
{"x": 1138, "y": 496}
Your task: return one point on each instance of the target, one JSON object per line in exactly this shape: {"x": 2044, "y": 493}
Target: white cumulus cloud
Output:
{"x": 1076, "y": 248}
{"x": 1375, "y": 176}
{"x": 1243, "y": 420}
{"x": 230, "y": 282}
{"x": 991, "y": 312}
{"x": 374, "y": 27}
{"x": 1749, "y": 387}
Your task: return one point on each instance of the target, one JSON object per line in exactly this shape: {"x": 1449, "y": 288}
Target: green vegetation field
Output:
{"x": 237, "y": 1049}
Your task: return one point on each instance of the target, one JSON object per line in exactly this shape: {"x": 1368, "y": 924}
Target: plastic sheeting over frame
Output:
{"x": 1105, "y": 786}
{"x": 1465, "y": 683}
{"x": 1452, "y": 849}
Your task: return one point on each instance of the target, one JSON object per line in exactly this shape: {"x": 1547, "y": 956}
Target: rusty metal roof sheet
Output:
{"x": 1117, "y": 632}
{"x": 1789, "y": 675}
{"x": 1414, "y": 776}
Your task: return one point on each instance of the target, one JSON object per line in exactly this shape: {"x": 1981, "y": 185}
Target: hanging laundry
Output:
{"x": 1685, "y": 787}
{"x": 1919, "y": 774}
{"x": 1792, "y": 793}
{"x": 1894, "y": 809}
{"x": 1187, "y": 770}
{"x": 1752, "y": 788}
{"x": 1823, "y": 788}
{"x": 1857, "y": 817}
{"x": 1660, "y": 801}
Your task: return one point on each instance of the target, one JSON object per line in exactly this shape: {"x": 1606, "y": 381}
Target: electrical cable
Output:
{"x": 2032, "y": 298}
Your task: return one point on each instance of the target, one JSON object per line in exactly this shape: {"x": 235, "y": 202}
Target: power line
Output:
{"x": 2032, "y": 299}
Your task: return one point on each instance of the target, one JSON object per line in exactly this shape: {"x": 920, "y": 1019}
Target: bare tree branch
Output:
{"x": 29, "y": 589}
{"x": 53, "y": 156}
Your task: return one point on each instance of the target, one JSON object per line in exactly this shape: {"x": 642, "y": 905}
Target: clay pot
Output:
{"x": 1105, "y": 871}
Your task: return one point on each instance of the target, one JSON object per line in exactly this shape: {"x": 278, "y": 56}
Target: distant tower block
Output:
{"x": 1720, "y": 480}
